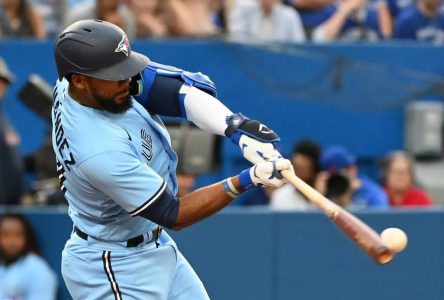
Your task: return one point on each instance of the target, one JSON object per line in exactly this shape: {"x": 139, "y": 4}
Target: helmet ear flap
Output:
{"x": 136, "y": 85}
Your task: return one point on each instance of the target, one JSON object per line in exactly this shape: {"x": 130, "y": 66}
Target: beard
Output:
{"x": 111, "y": 106}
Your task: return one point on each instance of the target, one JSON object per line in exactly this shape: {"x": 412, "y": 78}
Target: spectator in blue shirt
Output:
{"x": 396, "y": 6}
{"x": 312, "y": 12}
{"x": 348, "y": 20}
{"x": 23, "y": 273}
{"x": 341, "y": 181}
{"x": 422, "y": 21}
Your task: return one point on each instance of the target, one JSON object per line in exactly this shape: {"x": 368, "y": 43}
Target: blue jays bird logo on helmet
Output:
{"x": 123, "y": 46}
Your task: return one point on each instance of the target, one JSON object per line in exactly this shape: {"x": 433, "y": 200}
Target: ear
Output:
{"x": 78, "y": 81}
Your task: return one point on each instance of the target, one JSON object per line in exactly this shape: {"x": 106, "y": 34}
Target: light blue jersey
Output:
{"x": 29, "y": 278}
{"x": 117, "y": 168}
{"x": 111, "y": 166}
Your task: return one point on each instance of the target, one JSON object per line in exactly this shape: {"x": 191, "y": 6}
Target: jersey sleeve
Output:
{"x": 125, "y": 179}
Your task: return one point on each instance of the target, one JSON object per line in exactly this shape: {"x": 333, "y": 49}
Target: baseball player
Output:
{"x": 117, "y": 168}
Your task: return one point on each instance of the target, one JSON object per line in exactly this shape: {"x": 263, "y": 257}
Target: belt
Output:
{"x": 133, "y": 242}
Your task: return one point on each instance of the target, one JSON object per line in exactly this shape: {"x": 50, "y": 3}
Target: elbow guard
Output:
{"x": 142, "y": 83}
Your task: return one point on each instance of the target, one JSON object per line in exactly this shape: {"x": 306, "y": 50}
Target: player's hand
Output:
{"x": 265, "y": 173}
{"x": 256, "y": 141}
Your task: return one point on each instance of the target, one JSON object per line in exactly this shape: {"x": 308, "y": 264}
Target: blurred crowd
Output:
{"x": 334, "y": 172}
{"x": 24, "y": 273}
{"x": 245, "y": 21}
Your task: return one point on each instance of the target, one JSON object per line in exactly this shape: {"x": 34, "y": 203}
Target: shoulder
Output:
{"x": 79, "y": 12}
{"x": 37, "y": 264}
{"x": 247, "y": 4}
{"x": 286, "y": 11}
{"x": 87, "y": 131}
{"x": 83, "y": 8}
{"x": 246, "y": 7}
{"x": 371, "y": 186}
{"x": 38, "y": 275}
{"x": 408, "y": 14}
{"x": 373, "y": 190}
{"x": 418, "y": 196}
{"x": 103, "y": 138}
{"x": 288, "y": 198}
{"x": 369, "y": 183}
{"x": 287, "y": 190}
{"x": 34, "y": 260}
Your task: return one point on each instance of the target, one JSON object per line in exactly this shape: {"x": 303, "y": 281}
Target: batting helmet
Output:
{"x": 97, "y": 49}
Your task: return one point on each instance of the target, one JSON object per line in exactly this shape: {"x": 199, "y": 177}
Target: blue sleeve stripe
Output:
{"x": 150, "y": 201}
{"x": 148, "y": 77}
{"x": 183, "y": 112}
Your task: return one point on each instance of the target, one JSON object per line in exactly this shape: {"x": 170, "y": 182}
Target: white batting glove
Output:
{"x": 256, "y": 141}
{"x": 256, "y": 151}
{"x": 265, "y": 173}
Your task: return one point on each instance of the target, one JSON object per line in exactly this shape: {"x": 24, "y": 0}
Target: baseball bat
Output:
{"x": 359, "y": 232}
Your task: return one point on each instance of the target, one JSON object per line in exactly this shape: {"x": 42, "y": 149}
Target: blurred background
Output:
{"x": 354, "y": 88}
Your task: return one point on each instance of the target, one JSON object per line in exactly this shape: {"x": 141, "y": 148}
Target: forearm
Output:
{"x": 204, "y": 110}
{"x": 385, "y": 21}
{"x": 333, "y": 26}
{"x": 38, "y": 27}
{"x": 206, "y": 201}
{"x": 203, "y": 203}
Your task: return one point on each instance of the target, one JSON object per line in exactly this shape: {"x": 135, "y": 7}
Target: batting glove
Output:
{"x": 265, "y": 173}
{"x": 256, "y": 141}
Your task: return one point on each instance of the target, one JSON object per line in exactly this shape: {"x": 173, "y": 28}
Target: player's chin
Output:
{"x": 124, "y": 104}
{"x": 119, "y": 105}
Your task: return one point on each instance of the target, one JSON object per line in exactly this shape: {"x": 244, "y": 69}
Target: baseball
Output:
{"x": 395, "y": 238}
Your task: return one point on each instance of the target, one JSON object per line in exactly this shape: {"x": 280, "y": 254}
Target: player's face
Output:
{"x": 303, "y": 167}
{"x": 112, "y": 96}
{"x": 12, "y": 237}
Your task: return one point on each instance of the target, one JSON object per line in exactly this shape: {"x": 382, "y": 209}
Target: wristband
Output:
{"x": 229, "y": 188}
{"x": 245, "y": 179}
{"x": 232, "y": 188}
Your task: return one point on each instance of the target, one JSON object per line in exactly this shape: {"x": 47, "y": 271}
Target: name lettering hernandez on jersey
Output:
{"x": 61, "y": 141}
